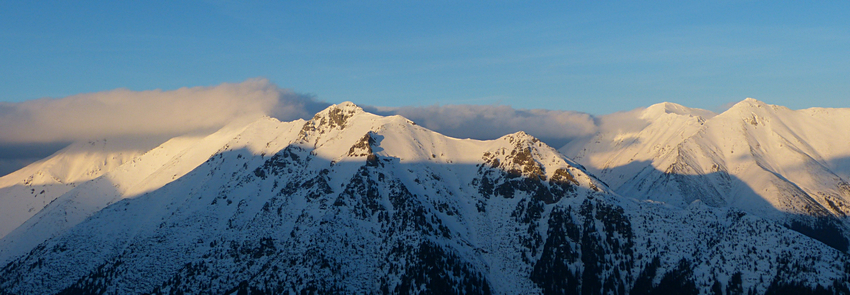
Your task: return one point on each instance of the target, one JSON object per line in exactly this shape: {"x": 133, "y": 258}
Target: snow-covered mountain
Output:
{"x": 352, "y": 202}
{"x": 788, "y": 166}
{"x": 25, "y": 192}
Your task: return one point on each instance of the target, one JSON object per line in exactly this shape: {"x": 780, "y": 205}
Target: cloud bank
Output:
{"x": 34, "y": 129}
{"x": 124, "y": 112}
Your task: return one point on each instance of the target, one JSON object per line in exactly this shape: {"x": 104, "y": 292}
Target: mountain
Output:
{"x": 784, "y": 165}
{"x": 25, "y": 192}
{"x": 352, "y": 202}
{"x": 114, "y": 169}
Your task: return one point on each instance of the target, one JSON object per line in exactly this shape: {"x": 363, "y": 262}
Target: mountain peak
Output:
{"x": 520, "y": 135}
{"x": 333, "y": 117}
{"x": 346, "y": 106}
{"x": 748, "y": 103}
{"x": 338, "y": 114}
{"x": 752, "y": 111}
{"x": 519, "y": 138}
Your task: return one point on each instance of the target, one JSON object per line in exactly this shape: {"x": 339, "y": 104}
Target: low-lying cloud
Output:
{"x": 124, "y": 112}
{"x": 555, "y": 128}
{"x": 34, "y": 129}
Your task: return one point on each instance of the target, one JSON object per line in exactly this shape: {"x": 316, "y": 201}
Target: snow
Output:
{"x": 682, "y": 181}
{"x": 765, "y": 159}
{"x": 25, "y": 192}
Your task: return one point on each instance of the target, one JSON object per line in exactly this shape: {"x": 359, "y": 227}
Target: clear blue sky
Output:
{"x": 592, "y": 56}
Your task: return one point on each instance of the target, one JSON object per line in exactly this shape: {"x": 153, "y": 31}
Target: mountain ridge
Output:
{"x": 353, "y": 202}
{"x": 778, "y": 159}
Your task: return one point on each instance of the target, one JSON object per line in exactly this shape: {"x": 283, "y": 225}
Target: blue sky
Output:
{"x": 596, "y": 57}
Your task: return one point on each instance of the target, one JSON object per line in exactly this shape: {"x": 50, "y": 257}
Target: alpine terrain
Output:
{"x": 671, "y": 201}
{"x": 787, "y": 166}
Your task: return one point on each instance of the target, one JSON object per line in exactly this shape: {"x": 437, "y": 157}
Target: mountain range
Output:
{"x": 660, "y": 200}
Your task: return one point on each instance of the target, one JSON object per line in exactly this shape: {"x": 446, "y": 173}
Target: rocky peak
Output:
{"x": 519, "y": 157}
{"x": 520, "y": 138}
{"x": 334, "y": 117}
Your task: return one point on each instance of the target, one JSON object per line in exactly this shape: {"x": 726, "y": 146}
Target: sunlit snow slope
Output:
{"x": 25, "y": 192}
{"x": 786, "y": 165}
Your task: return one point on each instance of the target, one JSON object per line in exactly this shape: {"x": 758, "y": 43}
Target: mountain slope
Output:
{"x": 785, "y": 165}
{"x": 351, "y": 202}
{"x": 25, "y": 192}
{"x": 142, "y": 173}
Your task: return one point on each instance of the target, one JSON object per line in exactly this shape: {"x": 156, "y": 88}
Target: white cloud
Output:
{"x": 124, "y": 112}
{"x": 33, "y": 129}
{"x": 46, "y": 123}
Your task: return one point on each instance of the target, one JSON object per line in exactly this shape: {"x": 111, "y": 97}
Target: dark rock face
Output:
{"x": 519, "y": 172}
{"x": 434, "y": 271}
{"x": 363, "y": 147}
{"x": 288, "y": 161}
{"x": 824, "y": 229}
